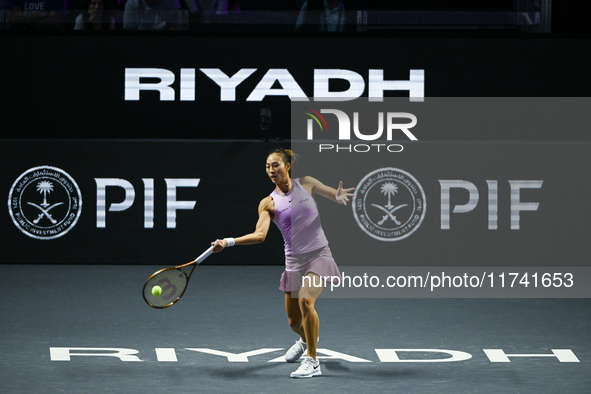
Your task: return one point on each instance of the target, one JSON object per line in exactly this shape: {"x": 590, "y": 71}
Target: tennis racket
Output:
{"x": 173, "y": 281}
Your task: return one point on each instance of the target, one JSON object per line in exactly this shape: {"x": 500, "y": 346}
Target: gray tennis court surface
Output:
{"x": 224, "y": 334}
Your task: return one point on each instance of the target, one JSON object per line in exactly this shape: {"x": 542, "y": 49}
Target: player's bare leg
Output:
{"x": 294, "y": 315}
{"x": 311, "y": 288}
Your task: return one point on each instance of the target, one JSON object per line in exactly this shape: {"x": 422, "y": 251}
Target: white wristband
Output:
{"x": 229, "y": 242}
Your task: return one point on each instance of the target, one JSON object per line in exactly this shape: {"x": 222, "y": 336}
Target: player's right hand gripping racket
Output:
{"x": 173, "y": 281}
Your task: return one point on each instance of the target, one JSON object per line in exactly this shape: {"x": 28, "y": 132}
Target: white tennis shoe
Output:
{"x": 307, "y": 369}
{"x": 295, "y": 352}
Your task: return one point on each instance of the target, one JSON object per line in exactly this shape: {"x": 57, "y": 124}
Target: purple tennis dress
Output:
{"x": 306, "y": 246}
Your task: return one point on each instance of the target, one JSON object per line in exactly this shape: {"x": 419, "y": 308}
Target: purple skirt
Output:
{"x": 319, "y": 262}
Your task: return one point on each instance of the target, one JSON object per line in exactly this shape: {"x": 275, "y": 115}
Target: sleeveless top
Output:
{"x": 296, "y": 216}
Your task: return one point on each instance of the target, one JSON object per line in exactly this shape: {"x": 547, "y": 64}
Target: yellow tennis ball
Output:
{"x": 156, "y": 290}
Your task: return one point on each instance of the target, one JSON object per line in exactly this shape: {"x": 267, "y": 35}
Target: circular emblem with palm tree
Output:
{"x": 45, "y": 202}
{"x": 389, "y": 204}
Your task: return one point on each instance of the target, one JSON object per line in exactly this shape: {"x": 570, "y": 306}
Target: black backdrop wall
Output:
{"x": 74, "y": 87}
{"x": 64, "y": 111}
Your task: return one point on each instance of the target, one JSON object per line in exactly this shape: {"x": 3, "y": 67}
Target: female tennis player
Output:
{"x": 308, "y": 259}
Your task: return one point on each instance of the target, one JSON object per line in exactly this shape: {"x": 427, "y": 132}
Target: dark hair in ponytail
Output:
{"x": 287, "y": 155}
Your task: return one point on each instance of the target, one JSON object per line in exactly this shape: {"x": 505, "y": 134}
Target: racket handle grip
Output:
{"x": 204, "y": 255}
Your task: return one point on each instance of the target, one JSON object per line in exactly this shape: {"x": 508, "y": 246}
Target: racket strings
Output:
{"x": 172, "y": 281}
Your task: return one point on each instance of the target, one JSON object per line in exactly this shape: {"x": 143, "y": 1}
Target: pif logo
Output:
{"x": 389, "y": 204}
{"x": 45, "y": 202}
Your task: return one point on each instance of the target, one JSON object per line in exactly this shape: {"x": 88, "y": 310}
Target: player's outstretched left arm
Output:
{"x": 338, "y": 195}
